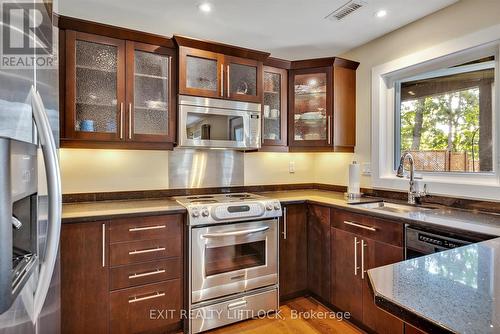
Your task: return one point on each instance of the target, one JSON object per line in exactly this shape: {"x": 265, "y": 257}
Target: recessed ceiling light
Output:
{"x": 205, "y": 7}
{"x": 381, "y": 13}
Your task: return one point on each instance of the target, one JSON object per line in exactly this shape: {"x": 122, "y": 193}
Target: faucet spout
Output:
{"x": 413, "y": 195}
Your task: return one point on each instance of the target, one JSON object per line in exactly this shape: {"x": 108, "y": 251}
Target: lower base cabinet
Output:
{"x": 293, "y": 251}
{"x": 122, "y": 276}
{"x": 360, "y": 243}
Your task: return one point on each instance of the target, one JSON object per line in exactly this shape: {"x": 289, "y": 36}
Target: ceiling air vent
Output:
{"x": 345, "y": 10}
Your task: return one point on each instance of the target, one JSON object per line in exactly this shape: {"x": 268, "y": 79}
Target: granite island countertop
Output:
{"x": 456, "y": 291}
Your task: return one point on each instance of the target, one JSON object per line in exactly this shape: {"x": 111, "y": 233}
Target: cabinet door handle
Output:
{"x": 363, "y": 245}
{"x": 130, "y": 121}
{"x": 227, "y": 79}
{"x": 369, "y": 228}
{"x": 356, "y": 242}
{"x": 284, "y": 223}
{"x": 121, "y": 120}
{"x": 329, "y": 126}
{"x": 222, "y": 80}
{"x": 155, "y": 295}
{"x": 149, "y": 250}
{"x": 145, "y": 228}
{"x": 104, "y": 245}
{"x": 149, "y": 273}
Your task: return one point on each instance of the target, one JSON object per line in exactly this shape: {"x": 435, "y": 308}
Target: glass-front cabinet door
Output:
{"x": 201, "y": 73}
{"x": 310, "y": 110}
{"x": 95, "y": 90}
{"x": 243, "y": 79}
{"x": 149, "y": 93}
{"x": 274, "y": 110}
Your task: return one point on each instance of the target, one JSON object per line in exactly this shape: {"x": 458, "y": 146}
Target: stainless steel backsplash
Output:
{"x": 191, "y": 168}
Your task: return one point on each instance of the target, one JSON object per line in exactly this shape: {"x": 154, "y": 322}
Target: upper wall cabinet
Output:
{"x": 220, "y": 71}
{"x": 118, "y": 93}
{"x": 322, "y": 105}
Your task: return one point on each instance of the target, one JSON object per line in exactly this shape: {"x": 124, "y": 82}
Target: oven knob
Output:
{"x": 195, "y": 214}
{"x": 205, "y": 213}
{"x": 269, "y": 207}
{"x": 277, "y": 206}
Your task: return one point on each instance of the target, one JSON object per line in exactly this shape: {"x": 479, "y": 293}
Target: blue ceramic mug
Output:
{"x": 87, "y": 125}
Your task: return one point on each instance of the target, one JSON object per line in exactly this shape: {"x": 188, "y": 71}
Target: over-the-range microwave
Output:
{"x": 214, "y": 123}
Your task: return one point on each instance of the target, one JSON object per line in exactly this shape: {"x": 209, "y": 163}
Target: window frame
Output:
{"x": 492, "y": 64}
{"x": 451, "y": 53}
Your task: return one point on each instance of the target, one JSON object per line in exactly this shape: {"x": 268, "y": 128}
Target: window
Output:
{"x": 444, "y": 118}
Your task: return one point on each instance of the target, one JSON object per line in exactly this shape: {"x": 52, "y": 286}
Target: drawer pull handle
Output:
{"x": 140, "y": 299}
{"x": 369, "y": 228}
{"x": 149, "y": 273}
{"x": 149, "y": 250}
{"x": 233, "y": 306}
{"x": 146, "y": 228}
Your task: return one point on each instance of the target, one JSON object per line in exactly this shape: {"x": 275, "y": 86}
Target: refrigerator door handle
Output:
{"x": 51, "y": 160}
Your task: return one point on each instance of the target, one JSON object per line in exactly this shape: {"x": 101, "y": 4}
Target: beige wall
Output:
{"x": 112, "y": 170}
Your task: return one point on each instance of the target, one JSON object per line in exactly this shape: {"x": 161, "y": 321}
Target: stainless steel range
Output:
{"x": 233, "y": 258}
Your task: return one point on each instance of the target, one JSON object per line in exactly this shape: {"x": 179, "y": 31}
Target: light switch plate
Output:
{"x": 291, "y": 167}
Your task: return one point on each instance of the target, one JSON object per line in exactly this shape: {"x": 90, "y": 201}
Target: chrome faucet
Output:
{"x": 413, "y": 194}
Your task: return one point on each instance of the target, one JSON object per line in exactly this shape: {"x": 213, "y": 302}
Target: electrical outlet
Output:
{"x": 291, "y": 167}
{"x": 366, "y": 169}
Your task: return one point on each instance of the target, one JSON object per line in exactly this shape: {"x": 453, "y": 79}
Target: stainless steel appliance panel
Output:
{"x": 213, "y": 123}
{"x": 421, "y": 242}
{"x": 234, "y": 310}
{"x": 190, "y": 168}
{"x": 233, "y": 258}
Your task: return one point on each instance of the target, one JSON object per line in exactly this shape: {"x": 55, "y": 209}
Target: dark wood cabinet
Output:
{"x": 319, "y": 252}
{"x": 293, "y": 251}
{"x": 322, "y": 105}
{"x": 216, "y": 70}
{"x": 359, "y": 243}
{"x": 275, "y": 109}
{"x": 117, "y": 93}
{"x": 347, "y": 287}
{"x": 377, "y": 254}
{"x": 114, "y": 272}
{"x": 84, "y": 278}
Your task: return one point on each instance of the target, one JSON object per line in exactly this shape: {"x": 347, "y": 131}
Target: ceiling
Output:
{"x": 289, "y": 29}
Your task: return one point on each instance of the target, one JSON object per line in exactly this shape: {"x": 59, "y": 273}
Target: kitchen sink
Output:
{"x": 393, "y": 207}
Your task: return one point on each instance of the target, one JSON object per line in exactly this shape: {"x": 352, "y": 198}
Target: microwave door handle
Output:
{"x": 50, "y": 158}
{"x": 235, "y": 233}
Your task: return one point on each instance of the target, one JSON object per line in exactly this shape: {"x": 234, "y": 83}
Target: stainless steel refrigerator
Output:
{"x": 30, "y": 187}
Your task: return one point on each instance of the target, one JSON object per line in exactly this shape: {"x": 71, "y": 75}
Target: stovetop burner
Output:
{"x": 200, "y": 197}
{"x": 239, "y": 195}
{"x": 203, "y": 201}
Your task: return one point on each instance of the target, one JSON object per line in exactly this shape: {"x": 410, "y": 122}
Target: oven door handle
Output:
{"x": 234, "y": 233}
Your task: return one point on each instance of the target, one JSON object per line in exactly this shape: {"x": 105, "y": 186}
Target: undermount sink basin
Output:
{"x": 393, "y": 207}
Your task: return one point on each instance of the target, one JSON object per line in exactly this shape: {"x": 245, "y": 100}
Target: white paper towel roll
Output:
{"x": 353, "y": 179}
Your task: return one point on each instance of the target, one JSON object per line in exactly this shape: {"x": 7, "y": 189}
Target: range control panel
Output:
{"x": 235, "y": 211}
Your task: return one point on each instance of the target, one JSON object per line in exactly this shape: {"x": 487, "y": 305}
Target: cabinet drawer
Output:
{"x": 144, "y": 250}
{"x": 369, "y": 227}
{"x": 145, "y": 308}
{"x": 144, "y": 228}
{"x": 144, "y": 273}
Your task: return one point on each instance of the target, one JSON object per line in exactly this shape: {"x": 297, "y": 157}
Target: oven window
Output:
{"x": 224, "y": 259}
{"x": 214, "y": 127}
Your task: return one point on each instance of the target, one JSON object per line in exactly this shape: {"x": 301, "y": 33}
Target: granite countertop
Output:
{"x": 456, "y": 291}
{"x": 441, "y": 217}
{"x": 91, "y": 211}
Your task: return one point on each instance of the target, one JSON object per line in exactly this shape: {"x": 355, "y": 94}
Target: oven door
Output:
{"x": 218, "y": 128}
{"x": 233, "y": 258}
